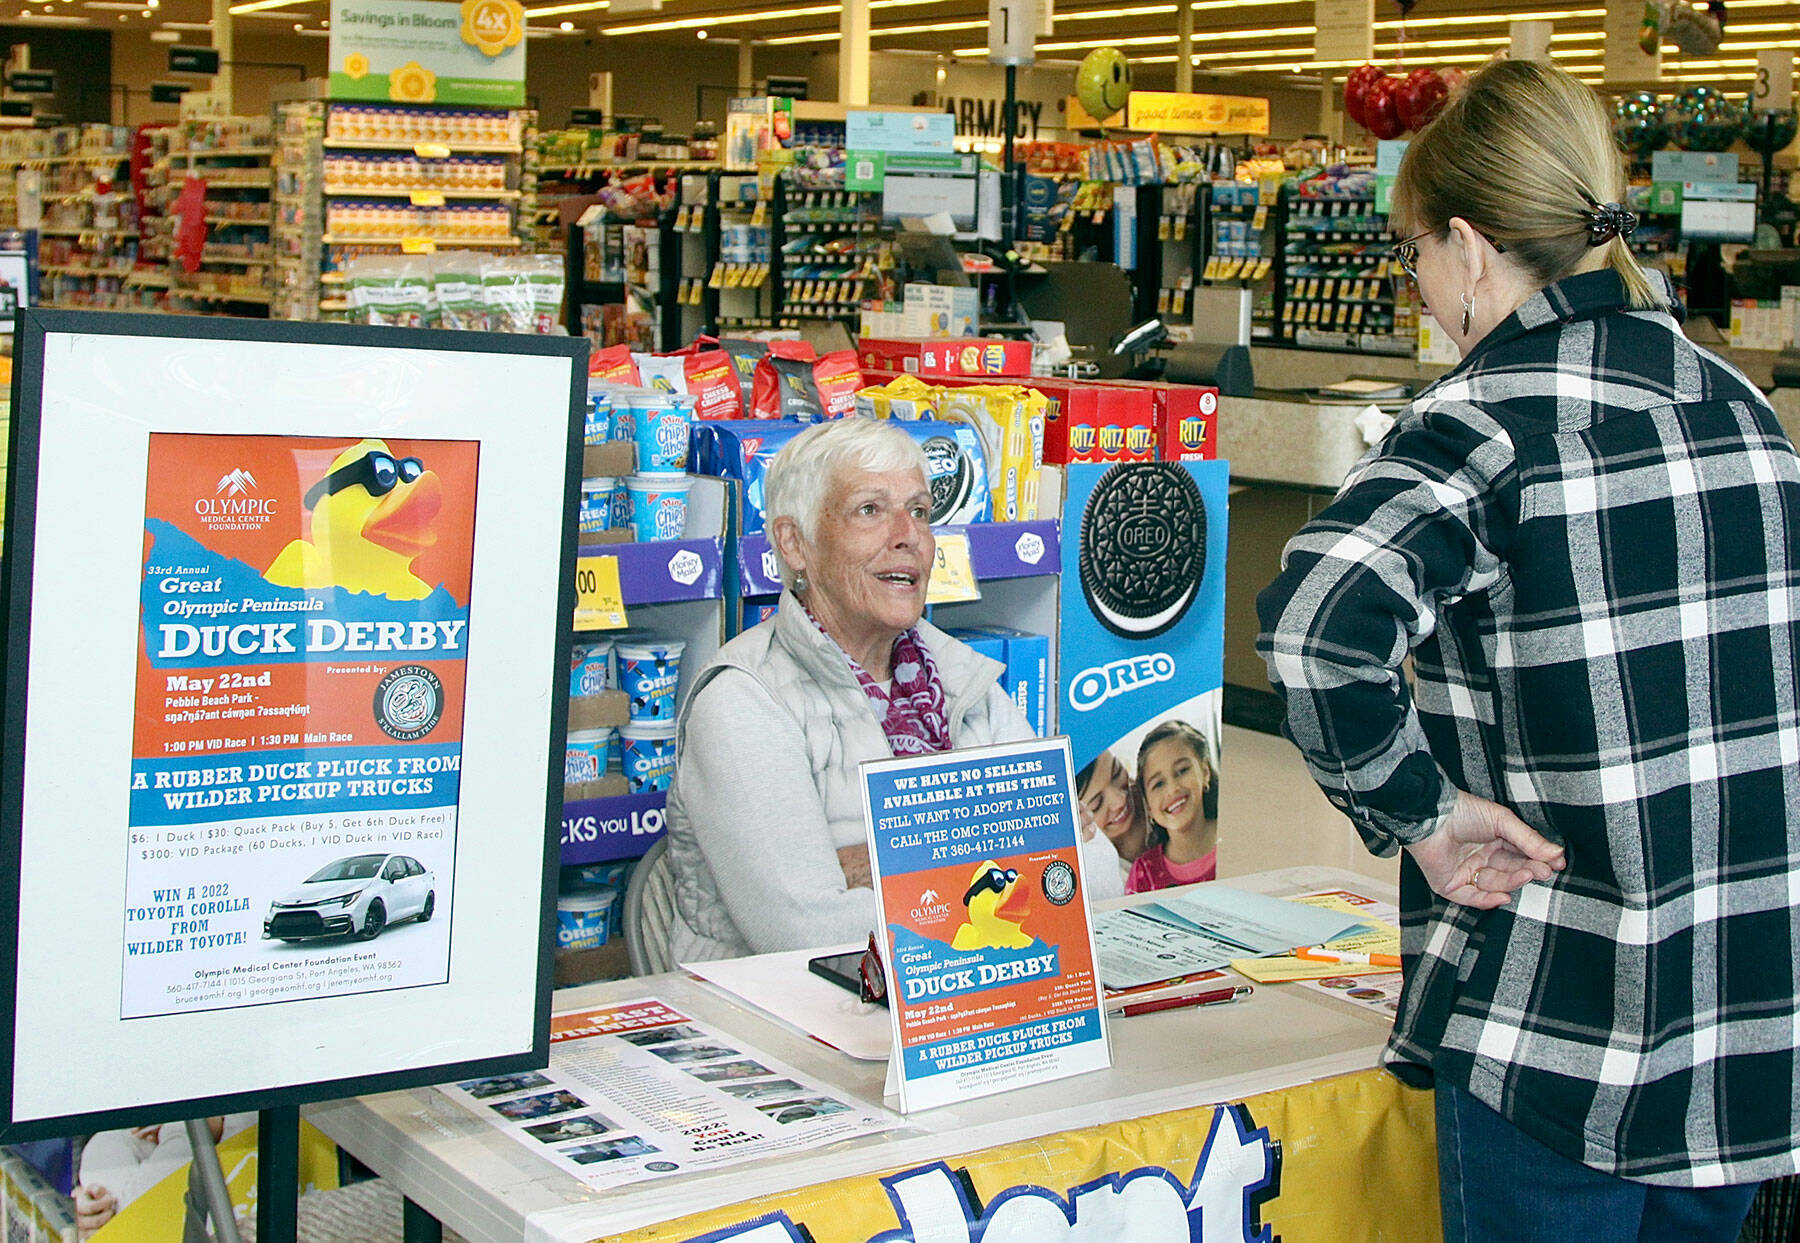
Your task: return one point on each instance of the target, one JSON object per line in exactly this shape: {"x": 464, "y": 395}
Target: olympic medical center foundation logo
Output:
{"x": 234, "y": 504}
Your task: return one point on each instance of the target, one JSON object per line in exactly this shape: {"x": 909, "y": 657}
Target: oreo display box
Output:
{"x": 1027, "y": 660}
{"x": 982, "y": 357}
{"x": 742, "y": 449}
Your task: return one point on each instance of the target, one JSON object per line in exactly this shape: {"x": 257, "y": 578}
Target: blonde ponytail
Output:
{"x": 1524, "y": 152}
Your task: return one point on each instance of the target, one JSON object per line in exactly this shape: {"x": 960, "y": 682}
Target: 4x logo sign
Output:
{"x": 1238, "y": 1171}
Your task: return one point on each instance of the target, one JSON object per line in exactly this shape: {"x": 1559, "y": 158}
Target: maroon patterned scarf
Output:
{"x": 913, "y": 712}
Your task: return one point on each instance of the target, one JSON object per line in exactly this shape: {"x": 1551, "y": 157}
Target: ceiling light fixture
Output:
{"x": 565, "y": 27}
{"x": 721, "y": 19}
{"x": 700, "y": 34}
{"x": 257, "y": 6}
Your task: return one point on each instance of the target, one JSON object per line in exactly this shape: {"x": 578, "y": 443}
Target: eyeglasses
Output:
{"x": 1407, "y": 251}
{"x": 995, "y": 879}
{"x": 379, "y": 472}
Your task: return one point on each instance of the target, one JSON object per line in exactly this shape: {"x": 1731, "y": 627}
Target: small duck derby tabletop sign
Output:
{"x": 988, "y": 945}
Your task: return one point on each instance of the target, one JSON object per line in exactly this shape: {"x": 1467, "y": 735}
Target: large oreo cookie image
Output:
{"x": 1143, "y": 548}
{"x": 951, "y": 477}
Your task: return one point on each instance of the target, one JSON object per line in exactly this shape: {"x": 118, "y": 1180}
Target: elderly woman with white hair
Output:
{"x": 765, "y": 818}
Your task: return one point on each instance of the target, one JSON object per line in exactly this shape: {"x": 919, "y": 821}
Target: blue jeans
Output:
{"x": 1497, "y": 1183}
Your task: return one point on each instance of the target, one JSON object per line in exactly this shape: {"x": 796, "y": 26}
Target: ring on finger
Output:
{"x": 1475, "y": 880}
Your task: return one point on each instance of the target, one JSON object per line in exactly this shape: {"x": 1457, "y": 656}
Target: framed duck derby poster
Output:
{"x": 986, "y": 940}
{"x": 286, "y": 606}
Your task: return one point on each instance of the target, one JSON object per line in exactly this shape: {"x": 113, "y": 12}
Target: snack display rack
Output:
{"x": 88, "y": 237}
{"x": 1243, "y": 239}
{"x": 737, "y": 255}
{"x": 828, "y": 251}
{"x": 1337, "y": 287}
{"x": 231, "y": 156}
{"x": 361, "y": 179}
{"x": 1180, "y": 234}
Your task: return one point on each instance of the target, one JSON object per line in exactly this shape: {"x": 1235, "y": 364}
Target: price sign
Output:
{"x": 599, "y": 602}
{"x": 431, "y": 151}
{"x": 427, "y": 198}
{"x": 1012, "y": 32}
{"x": 952, "y": 574}
{"x": 417, "y": 246}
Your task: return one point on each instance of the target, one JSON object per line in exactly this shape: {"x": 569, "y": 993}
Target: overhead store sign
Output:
{"x": 168, "y": 92}
{"x": 1345, "y": 30}
{"x": 1177, "y": 112}
{"x": 193, "y": 60}
{"x": 1624, "y": 62}
{"x": 429, "y": 51}
{"x": 32, "y": 82}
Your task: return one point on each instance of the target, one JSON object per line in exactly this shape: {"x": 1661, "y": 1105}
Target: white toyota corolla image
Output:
{"x": 360, "y": 894}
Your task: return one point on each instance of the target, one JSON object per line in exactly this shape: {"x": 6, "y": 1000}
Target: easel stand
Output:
{"x": 277, "y": 1174}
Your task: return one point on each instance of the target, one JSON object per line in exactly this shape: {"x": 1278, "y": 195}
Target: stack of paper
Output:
{"x": 1187, "y": 934}
{"x": 1376, "y": 933}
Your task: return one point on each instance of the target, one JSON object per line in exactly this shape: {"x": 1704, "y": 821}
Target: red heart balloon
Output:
{"x": 1381, "y": 113}
{"x": 1419, "y": 97}
{"x": 1356, "y": 90}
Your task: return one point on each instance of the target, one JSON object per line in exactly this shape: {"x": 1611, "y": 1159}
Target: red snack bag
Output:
{"x": 711, "y": 380}
{"x": 784, "y": 387}
{"x": 837, "y": 377}
{"x": 614, "y": 363}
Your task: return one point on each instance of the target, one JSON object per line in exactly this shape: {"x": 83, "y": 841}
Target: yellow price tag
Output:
{"x": 427, "y": 198}
{"x": 952, "y": 575}
{"x": 431, "y": 151}
{"x": 417, "y": 246}
{"x": 599, "y": 602}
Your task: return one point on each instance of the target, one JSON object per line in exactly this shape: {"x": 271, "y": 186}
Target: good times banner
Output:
{"x": 1334, "y": 1161}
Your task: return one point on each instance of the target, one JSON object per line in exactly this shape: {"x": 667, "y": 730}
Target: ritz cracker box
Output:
{"x": 981, "y": 357}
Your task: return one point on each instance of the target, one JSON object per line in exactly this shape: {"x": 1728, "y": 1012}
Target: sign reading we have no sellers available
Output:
{"x": 429, "y": 52}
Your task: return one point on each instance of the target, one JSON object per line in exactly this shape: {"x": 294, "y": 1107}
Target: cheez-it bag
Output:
{"x": 614, "y": 364}
{"x": 711, "y": 380}
{"x": 837, "y": 377}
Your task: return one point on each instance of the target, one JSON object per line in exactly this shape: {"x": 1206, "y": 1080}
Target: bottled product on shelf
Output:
{"x": 361, "y": 181}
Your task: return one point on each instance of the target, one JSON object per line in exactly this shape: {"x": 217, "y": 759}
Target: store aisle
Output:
{"x": 1271, "y": 815}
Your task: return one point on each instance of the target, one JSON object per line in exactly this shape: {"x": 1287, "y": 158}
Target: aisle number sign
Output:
{"x": 599, "y": 601}
{"x": 429, "y": 51}
{"x": 1182, "y": 112}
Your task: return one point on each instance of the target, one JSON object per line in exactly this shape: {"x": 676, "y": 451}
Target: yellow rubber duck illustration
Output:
{"x": 998, "y": 905}
{"x": 371, "y": 518}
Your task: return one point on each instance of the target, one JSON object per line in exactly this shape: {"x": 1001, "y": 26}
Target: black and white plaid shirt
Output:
{"x": 1586, "y": 536}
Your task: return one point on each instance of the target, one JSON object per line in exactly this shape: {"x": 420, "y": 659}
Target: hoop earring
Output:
{"x": 1468, "y": 305}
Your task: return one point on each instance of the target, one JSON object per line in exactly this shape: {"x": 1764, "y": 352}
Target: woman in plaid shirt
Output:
{"x": 1585, "y": 537}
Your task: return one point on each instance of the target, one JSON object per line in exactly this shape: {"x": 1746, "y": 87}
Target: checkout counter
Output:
{"x": 1268, "y": 1106}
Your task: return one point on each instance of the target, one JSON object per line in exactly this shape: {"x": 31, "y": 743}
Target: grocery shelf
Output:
{"x": 997, "y": 550}
{"x": 401, "y": 192}
{"x": 92, "y": 157}
{"x": 211, "y": 152}
{"x": 75, "y": 269}
{"x": 253, "y": 224}
{"x": 208, "y": 295}
{"x": 455, "y": 148}
{"x": 84, "y": 232}
{"x": 332, "y": 239}
{"x": 665, "y": 571}
{"x": 588, "y": 168}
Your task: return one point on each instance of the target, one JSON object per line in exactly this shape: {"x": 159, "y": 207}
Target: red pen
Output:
{"x": 1217, "y": 997}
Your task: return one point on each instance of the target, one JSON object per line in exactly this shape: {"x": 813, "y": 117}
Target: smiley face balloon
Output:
{"x": 1103, "y": 83}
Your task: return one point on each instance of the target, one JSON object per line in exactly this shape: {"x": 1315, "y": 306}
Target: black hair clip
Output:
{"x": 1607, "y": 221}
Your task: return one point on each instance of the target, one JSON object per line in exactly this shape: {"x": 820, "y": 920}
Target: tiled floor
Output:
{"x": 1271, "y": 815}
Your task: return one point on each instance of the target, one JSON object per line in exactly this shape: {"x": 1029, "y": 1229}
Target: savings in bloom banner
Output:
{"x": 429, "y": 52}
{"x": 298, "y": 736}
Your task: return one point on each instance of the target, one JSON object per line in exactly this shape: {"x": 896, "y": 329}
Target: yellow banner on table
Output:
{"x": 1177, "y": 112}
{"x": 1344, "y": 1158}
{"x": 159, "y": 1212}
